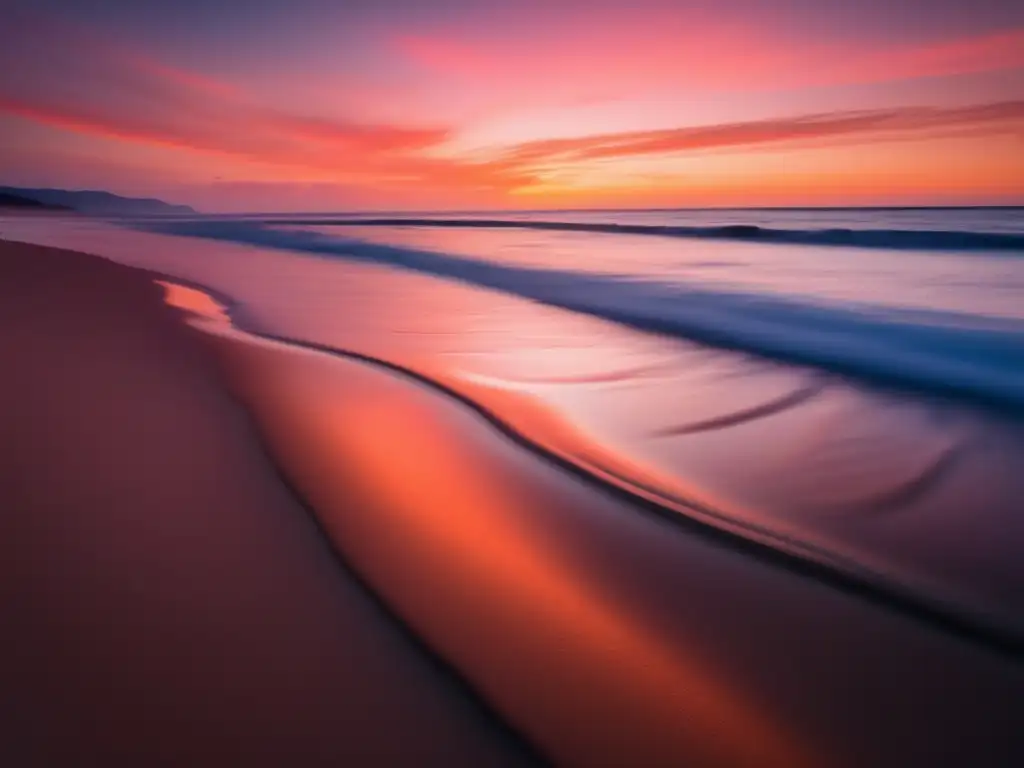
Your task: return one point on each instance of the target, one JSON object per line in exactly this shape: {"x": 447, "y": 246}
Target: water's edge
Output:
{"x": 932, "y": 353}
{"x": 767, "y": 545}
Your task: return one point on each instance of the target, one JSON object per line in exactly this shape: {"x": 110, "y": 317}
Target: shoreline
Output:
{"x": 688, "y": 514}
{"x": 600, "y": 633}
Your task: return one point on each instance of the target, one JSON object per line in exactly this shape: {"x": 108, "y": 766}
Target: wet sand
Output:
{"x": 606, "y": 633}
{"x": 165, "y": 600}
{"x": 212, "y": 611}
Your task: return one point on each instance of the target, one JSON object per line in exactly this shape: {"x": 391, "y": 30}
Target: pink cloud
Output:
{"x": 97, "y": 87}
{"x": 656, "y": 53}
{"x": 838, "y": 126}
{"x": 986, "y": 53}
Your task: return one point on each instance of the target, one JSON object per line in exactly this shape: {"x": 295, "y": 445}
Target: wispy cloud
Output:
{"x": 703, "y": 52}
{"x": 97, "y": 86}
{"x": 983, "y": 53}
{"x": 837, "y": 126}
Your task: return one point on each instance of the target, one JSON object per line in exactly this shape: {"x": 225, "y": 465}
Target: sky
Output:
{"x": 318, "y": 105}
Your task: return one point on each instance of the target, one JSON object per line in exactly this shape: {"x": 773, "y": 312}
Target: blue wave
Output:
{"x": 900, "y": 239}
{"x": 940, "y": 352}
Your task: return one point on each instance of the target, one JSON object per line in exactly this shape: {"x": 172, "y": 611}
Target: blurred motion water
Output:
{"x": 708, "y": 415}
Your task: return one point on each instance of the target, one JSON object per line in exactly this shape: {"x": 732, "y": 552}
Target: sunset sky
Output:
{"x": 444, "y": 104}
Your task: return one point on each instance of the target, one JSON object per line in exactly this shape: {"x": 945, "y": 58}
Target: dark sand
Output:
{"x": 164, "y": 600}
{"x": 167, "y": 601}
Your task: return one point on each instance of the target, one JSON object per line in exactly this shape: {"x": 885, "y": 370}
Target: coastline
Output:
{"x": 597, "y": 631}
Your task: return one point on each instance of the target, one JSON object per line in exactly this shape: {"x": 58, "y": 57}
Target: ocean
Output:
{"x": 928, "y": 298}
{"x": 790, "y": 376}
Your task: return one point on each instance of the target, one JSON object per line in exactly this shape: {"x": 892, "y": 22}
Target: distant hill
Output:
{"x": 8, "y": 200}
{"x": 90, "y": 201}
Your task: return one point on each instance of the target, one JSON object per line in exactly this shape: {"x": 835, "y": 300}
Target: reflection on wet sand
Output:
{"x": 193, "y": 301}
{"x": 448, "y": 521}
{"x": 600, "y": 632}
{"x": 888, "y": 488}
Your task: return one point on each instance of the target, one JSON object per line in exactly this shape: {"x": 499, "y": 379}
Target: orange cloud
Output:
{"x": 836, "y": 126}
{"x": 391, "y": 157}
{"x": 382, "y": 155}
